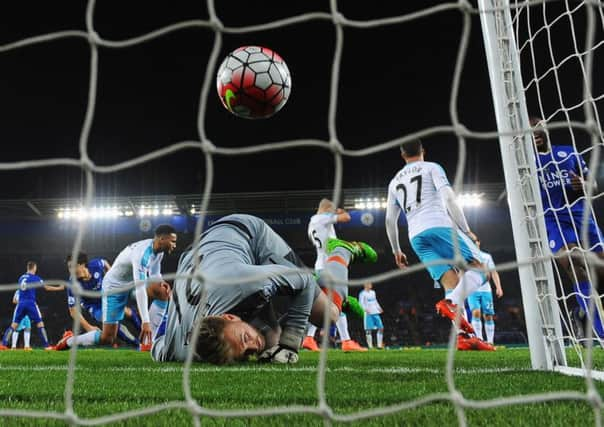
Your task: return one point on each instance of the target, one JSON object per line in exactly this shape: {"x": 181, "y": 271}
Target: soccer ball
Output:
{"x": 253, "y": 82}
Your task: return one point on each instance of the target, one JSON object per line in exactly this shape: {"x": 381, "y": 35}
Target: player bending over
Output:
{"x": 90, "y": 275}
{"x": 28, "y": 306}
{"x": 238, "y": 320}
{"x": 436, "y": 224}
{"x": 562, "y": 176}
{"x": 481, "y": 301}
{"x": 140, "y": 262}
{"x": 320, "y": 229}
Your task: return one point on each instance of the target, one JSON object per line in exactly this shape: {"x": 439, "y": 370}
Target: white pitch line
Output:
{"x": 164, "y": 369}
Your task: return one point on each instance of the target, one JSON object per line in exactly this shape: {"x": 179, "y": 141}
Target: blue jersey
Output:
{"x": 96, "y": 267}
{"x": 27, "y": 293}
{"x": 555, "y": 180}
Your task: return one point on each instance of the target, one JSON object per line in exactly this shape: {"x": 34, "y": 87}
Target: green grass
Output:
{"x": 116, "y": 381}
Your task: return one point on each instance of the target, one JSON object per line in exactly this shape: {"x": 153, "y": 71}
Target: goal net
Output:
{"x": 549, "y": 297}
{"x": 533, "y": 50}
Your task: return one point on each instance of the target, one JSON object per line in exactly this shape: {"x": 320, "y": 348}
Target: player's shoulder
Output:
{"x": 563, "y": 151}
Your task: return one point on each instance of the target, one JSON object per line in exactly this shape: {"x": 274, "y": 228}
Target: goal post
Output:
{"x": 537, "y": 283}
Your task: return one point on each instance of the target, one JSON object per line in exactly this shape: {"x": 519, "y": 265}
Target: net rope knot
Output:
{"x": 207, "y": 147}
{"x": 336, "y": 147}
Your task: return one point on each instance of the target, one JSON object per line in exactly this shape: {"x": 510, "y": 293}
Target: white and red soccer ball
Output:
{"x": 253, "y": 82}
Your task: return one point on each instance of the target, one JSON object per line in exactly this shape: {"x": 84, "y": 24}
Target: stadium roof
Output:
{"x": 220, "y": 203}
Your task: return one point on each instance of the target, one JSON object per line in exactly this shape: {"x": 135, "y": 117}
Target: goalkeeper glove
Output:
{"x": 279, "y": 354}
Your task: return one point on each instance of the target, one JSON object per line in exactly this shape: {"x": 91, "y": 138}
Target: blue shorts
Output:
{"x": 113, "y": 307}
{"x": 29, "y": 309}
{"x": 483, "y": 301}
{"x": 25, "y": 323}
{"x": 95, "y": 311}
{"x": 373, "y": 321}
{"x": 436, "y": 244}
{"x": 560, "y": 236}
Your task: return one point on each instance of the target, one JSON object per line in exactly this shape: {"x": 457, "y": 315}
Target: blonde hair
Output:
{"x": 326, "y": 205}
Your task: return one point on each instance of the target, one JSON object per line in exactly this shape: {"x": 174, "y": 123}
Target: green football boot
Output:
{"x": 361, "y": 251}
{"x": 352, "y": 306}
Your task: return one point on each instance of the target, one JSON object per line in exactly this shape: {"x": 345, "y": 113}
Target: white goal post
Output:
{"x": 541, "y": 300}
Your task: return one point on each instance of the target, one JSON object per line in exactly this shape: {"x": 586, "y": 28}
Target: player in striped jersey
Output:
{"x": 372, "y": 320}
{"x": 320, "y": 229}
{"x": 437, "y": 227}
{"x": 140, "y": 262}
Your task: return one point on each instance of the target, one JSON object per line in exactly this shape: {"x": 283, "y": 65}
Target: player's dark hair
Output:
{"x": 163, "y": 229}
{"x": 82, "y": 258}
{"x": 412, "y": 148}
{"x": 31, "y": 264}
{"x": 211, "y": 345}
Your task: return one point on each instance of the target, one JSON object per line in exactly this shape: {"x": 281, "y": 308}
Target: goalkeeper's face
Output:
{"x": 243, "y": 339}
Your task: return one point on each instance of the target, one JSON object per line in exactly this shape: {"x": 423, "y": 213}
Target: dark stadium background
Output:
{"x": 394, "y": 80}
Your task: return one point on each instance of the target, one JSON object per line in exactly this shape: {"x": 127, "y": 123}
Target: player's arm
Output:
{"x": 73, "y": 312}
{"x": 393, "y": 211}
{"x": 342, "y": 215}
{"x": 497, "y": 282}
{"x": 455, "y": 211}
{"x": 577, "y": 179}
{"x": 139, "y": 273}
{"x": 54, "y": 287}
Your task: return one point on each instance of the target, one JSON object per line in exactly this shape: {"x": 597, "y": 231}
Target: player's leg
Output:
{"x": 348, "y": 344}
{"x": 368, "y": 325}
{"x": 488, "y": 310}
{"x": 377, "y": 320}
{"x": 27, "y": 339}
{"x": 132, "y": 314}
{"x": 309, "y": 342}
{"x": 15, "y": 338}
{"x": 474, "y": 302}
{"x": 18, "y": 314}
{"x": 33, "y": 312}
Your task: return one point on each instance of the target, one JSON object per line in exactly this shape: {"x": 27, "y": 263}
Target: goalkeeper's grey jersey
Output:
{"x": 242, "y": 249}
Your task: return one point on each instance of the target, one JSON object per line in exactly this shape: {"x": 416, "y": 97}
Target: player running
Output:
{"x": 481, "y": 301}
{"x": 320, "y": 229}
{"x": 436, "y": 226}
{"x": 140, "y": 262}
{"x": 90, "y": 274}
{"x": 28, "y": 306}
{"x": 237, "y": 320}
{"x": 562, "y": 178}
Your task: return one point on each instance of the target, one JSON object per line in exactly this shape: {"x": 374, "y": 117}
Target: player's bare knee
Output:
{"x": 476, "y": 313}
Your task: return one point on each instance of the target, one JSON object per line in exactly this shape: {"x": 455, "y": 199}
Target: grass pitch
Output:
{"x": 110, "y": 382}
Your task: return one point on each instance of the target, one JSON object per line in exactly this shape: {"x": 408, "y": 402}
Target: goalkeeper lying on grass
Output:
{"x": 238, "y": 319}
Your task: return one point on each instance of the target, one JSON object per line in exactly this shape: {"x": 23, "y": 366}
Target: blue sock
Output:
{"x": 43, "y": 336}
{"x": 584, "y": 288}
{"x": 7, "y": 336}
{"x": 135, "y": 319}
{"x": 126, "y": 335}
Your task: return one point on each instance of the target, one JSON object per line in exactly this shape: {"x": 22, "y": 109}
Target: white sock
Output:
{"x": 14, "y": 339}
{"x": 380, "y": 338}
{"x": 27, "y": 338}
{"x": 470, "y": 281}
{"x": 477, "y": 325}
{"x": 156, "y": 314}
{"x": 312, "y": 330}
{"x": 489, "y": 327}
{"x": 87, "y": 339}
{"x": 369, "y": 338}
{"x": 342, "y": 325}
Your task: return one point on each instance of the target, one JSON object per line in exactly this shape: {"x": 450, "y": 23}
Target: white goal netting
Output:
{"x": 574, "y": 115}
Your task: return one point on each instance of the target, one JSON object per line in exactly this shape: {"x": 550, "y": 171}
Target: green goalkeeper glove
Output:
{"x": 352, "y": 306}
